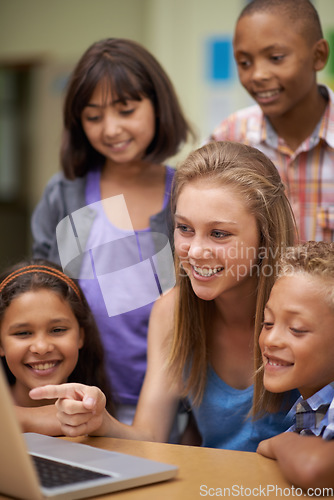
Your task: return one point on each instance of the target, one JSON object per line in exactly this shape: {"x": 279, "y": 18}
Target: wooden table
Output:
{"x": 203, "y": 472}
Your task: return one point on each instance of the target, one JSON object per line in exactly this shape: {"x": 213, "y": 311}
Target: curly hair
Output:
{"x": 312, "y": 258}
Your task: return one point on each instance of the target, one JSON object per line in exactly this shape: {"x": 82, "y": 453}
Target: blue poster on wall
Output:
{"x": 220, "y": 61}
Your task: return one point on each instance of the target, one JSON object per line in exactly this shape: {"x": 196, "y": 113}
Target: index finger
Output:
{"x": 69, "y": 391}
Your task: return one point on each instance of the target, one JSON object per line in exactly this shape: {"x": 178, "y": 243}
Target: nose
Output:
{"x": 111, "y": 125}
{"x": 271, "y": 337}
{"x": 199, "y": 249}
{"x": 41, "y": 345}
{"x": 260, "y": 71}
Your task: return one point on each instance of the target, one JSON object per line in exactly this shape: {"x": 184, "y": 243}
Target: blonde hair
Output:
{"x": 254, "y": 176}
{"x": 315, "y": 259}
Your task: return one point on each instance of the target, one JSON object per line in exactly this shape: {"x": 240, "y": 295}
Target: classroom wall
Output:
{"x": 42, "y": 40}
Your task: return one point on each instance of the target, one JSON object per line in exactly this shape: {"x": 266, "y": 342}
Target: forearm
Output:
{"x": 41, "y": 419}
{"x": 110, "y": 427}
{"x": 306, "y": 461}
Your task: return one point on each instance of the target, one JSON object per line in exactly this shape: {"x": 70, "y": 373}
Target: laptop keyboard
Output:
{"x": 52, "y": 473}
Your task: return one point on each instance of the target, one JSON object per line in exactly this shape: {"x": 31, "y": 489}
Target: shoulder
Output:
{"x": 164, "y": 307}
{"x": 60, "y": 189}
{"x": 60, "y": 180}
{"x": 253, "y": 111}
{"x": 163, "y": 312}
{"x": 235, "y": 127}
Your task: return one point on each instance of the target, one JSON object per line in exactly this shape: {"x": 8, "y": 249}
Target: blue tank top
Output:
{"x": 223, "y": 421}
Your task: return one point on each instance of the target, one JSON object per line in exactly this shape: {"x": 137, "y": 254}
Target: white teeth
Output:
{"x": 276, "y": 363}
{"x": 207, "y": 272}
{"x": 119, "y": 144}
{"x": 268, "y": 93}
{"x": 43, "y": 366}
{"x": 273, "y": 363}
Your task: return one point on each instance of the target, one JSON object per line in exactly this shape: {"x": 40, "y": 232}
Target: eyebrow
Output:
{"x": 290, "y": 311}
{"x": 14, "y": 326}
{"x": 274, "y": 46}
{"x": 28, "y": 325}
{"x": 213, "y": 222}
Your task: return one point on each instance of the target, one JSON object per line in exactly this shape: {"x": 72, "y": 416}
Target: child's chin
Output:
{"x": 274, "y": 388}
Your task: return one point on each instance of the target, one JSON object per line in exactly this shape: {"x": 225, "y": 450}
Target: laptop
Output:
{"x": 30, "y": 463}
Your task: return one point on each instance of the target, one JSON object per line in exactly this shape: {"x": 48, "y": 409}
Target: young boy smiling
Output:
{"x": 279, "y": 48}
{"x": 297, "y": 346}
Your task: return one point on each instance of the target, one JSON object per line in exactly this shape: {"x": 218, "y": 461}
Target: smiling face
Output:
{"x": 276, "y": 62}
{"x": 216, "y": 240}
{"x": 297, "y": 338}
{"x": 120, "y": 131}
{"x": 40, "y": 338}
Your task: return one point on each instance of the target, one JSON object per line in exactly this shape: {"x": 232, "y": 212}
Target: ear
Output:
{"x": 2, "y": 352}
{"x": 81, "y": 338}
{"x": 321, "y": 53}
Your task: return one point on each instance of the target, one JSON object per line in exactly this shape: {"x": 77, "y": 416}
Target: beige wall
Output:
{"x": 62, "y": 29}
{"x": 55, "y": 33}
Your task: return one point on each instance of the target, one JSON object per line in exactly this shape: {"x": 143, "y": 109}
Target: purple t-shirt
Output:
{"x": 123, "y": 290}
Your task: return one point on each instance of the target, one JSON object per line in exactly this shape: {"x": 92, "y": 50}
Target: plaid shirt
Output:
{"x": 308, "y": 172}
{"x": 315, "y": 415}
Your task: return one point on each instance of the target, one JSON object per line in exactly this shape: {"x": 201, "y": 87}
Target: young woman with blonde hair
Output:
{"x": 231, "y": 222}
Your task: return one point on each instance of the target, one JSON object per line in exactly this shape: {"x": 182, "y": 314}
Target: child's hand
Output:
{"x": 272, "y": 447}
{"x": 80, "y": 408}
{"x": 305, "y": 461}
{"x": 265, "y": 448}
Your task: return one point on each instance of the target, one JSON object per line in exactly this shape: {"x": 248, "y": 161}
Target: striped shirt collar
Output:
{"x": 324, "y": 130}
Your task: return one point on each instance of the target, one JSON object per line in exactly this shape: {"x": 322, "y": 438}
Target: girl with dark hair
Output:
{"x": 47, "y": 335}
{"x": 122, "y": 120}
